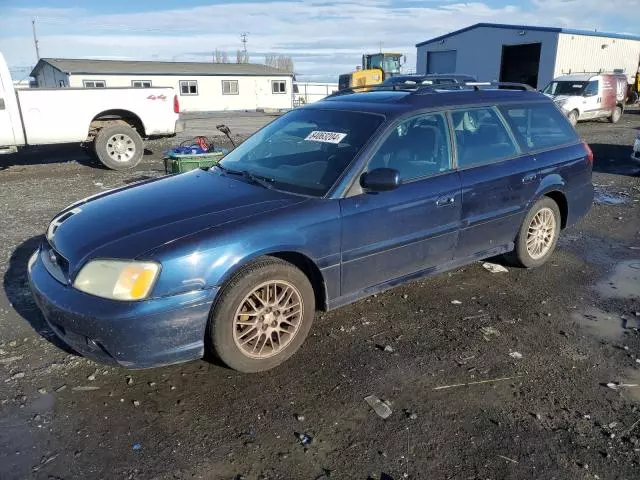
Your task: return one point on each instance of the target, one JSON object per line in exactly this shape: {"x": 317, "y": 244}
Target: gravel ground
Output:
{"x": 526, "y": 356}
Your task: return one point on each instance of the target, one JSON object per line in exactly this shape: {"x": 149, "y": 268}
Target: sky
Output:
{"x": 324, "y": 37}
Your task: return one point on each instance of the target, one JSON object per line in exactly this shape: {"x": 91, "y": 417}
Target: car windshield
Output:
{"x": 565, "y": 88}
{"x": 304, "y": 151}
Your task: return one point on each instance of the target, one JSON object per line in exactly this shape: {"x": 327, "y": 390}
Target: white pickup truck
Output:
{"x": 112, "y": 121}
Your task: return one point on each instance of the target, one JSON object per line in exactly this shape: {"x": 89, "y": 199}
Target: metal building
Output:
{"x": 201, "y": 86}
{"x": 527, "y": 54}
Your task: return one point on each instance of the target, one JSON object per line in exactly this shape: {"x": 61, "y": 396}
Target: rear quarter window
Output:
{"x": 539, "y": 126}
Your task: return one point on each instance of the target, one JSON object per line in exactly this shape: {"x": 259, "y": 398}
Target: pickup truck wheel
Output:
{"x": 263, "y": 315}
{"x": 538, "y": 234}
{"x": 615, "y": 115}
{"x": 119, "y": 146}
{"x": 573, "y": 117}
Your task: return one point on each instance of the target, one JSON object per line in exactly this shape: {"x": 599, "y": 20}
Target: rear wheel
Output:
{"x": 118, "y": 146}
{"x": 573, "y": 117}
{"x": 538, "y": 234}
{"x": 616, "y": 115}
{"x": 263, "y": 316}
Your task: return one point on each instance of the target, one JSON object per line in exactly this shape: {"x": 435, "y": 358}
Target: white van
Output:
{"x": 586, "y": 96}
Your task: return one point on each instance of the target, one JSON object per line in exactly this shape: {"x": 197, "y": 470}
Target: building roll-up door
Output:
{"x": 441, "y": 62}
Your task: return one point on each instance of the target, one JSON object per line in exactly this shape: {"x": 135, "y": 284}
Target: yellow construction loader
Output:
{"x": 376, "y": 67}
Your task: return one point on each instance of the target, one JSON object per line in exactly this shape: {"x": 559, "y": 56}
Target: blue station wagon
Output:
{"x": 327, "y": 204}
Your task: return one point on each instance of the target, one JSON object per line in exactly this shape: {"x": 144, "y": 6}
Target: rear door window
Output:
{"x": 539, "y": 126}
{"x": 481, "y": 137}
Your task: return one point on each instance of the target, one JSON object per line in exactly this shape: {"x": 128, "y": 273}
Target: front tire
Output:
{"x": 538, "y": 234}
{"x": 616, "y": 115}
{"x": 119, "y": 146}
{"x": 263, "y": 315}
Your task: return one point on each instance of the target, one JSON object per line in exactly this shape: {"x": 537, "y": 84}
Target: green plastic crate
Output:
{"x": 186, "y": 163}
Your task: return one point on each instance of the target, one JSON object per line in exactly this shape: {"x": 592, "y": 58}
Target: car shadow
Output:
{"x": 615, "y": 159}
{"x": 16, "y": 288}
{"x": 49, "y": 154}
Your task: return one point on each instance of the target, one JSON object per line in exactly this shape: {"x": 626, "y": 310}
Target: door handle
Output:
{"x": 444, "y": 201}
{"x": 529, "y": 178}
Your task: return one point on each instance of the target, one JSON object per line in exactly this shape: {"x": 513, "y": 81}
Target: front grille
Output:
{"x": 56, "y": 264}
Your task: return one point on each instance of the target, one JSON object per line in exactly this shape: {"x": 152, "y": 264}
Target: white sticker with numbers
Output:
{"x": 325, "y": 137}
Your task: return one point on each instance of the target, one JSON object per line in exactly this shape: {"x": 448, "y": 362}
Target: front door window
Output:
{"x": 416, "y": 148}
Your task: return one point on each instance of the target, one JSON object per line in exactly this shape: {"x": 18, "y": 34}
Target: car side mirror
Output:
{"x": 380, "y": 179}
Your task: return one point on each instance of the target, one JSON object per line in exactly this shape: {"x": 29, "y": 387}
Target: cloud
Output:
{"x": 325, "y": 37}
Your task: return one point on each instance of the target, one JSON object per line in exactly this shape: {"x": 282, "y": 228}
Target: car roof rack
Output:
{"x": 510, "y": 85}
{"x": 376, "y": 87}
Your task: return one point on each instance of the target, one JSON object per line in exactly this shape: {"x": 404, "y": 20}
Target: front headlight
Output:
{"x": 117, "y": 279}
{"x": 560, "y": 103}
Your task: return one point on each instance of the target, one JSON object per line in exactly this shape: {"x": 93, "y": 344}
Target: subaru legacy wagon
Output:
{"x": 325, "y": 205}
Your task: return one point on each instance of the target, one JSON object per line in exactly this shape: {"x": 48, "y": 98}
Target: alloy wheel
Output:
{"x": 268, "y": 319}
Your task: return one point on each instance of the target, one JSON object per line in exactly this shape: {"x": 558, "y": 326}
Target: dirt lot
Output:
{"x": 549, "y": 414}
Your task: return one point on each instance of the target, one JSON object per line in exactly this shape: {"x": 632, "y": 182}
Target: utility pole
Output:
{"x": 35, "y": 38}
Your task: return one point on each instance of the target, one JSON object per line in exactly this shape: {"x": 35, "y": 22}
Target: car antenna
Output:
{"x": 224, "y": 129}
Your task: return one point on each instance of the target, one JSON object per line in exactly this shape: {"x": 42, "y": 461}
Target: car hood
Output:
{"x": 127, "y": 222}
{"x": 561, "y": 98}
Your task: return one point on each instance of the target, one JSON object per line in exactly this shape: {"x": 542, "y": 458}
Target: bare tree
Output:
{"x": 283, "y": 62}
{"x": 220, "y": 56}
{"x": 242, "y": 56}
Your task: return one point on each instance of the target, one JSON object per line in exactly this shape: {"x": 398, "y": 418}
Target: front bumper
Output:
{"x": 143, "y": 334}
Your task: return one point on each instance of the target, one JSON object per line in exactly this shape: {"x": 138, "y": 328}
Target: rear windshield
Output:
{"x": 306, "y": 150}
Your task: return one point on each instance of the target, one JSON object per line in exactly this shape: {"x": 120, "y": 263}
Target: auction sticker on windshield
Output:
{"x": 326, "y": 137}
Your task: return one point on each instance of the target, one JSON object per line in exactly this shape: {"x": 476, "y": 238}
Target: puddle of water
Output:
{"x": 623, "y": 283}
{"x": 602, "y": 197}
{"x": 600, "y": 324}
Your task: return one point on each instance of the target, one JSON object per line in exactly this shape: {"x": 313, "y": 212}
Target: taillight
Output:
{"x": 589, "y": 153}
{"x": 176, "y": 104}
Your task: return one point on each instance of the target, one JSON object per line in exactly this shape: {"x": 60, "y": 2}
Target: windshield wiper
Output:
{"x": 263, "y": 181}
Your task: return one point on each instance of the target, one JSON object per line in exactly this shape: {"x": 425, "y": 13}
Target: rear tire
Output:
{"x": 263, "y": 315}
{"x": 118, "y": 146}
{"x": 573, "y": 117}
{"x": 538, "y": 235}
{"x": 616, "y": 115}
